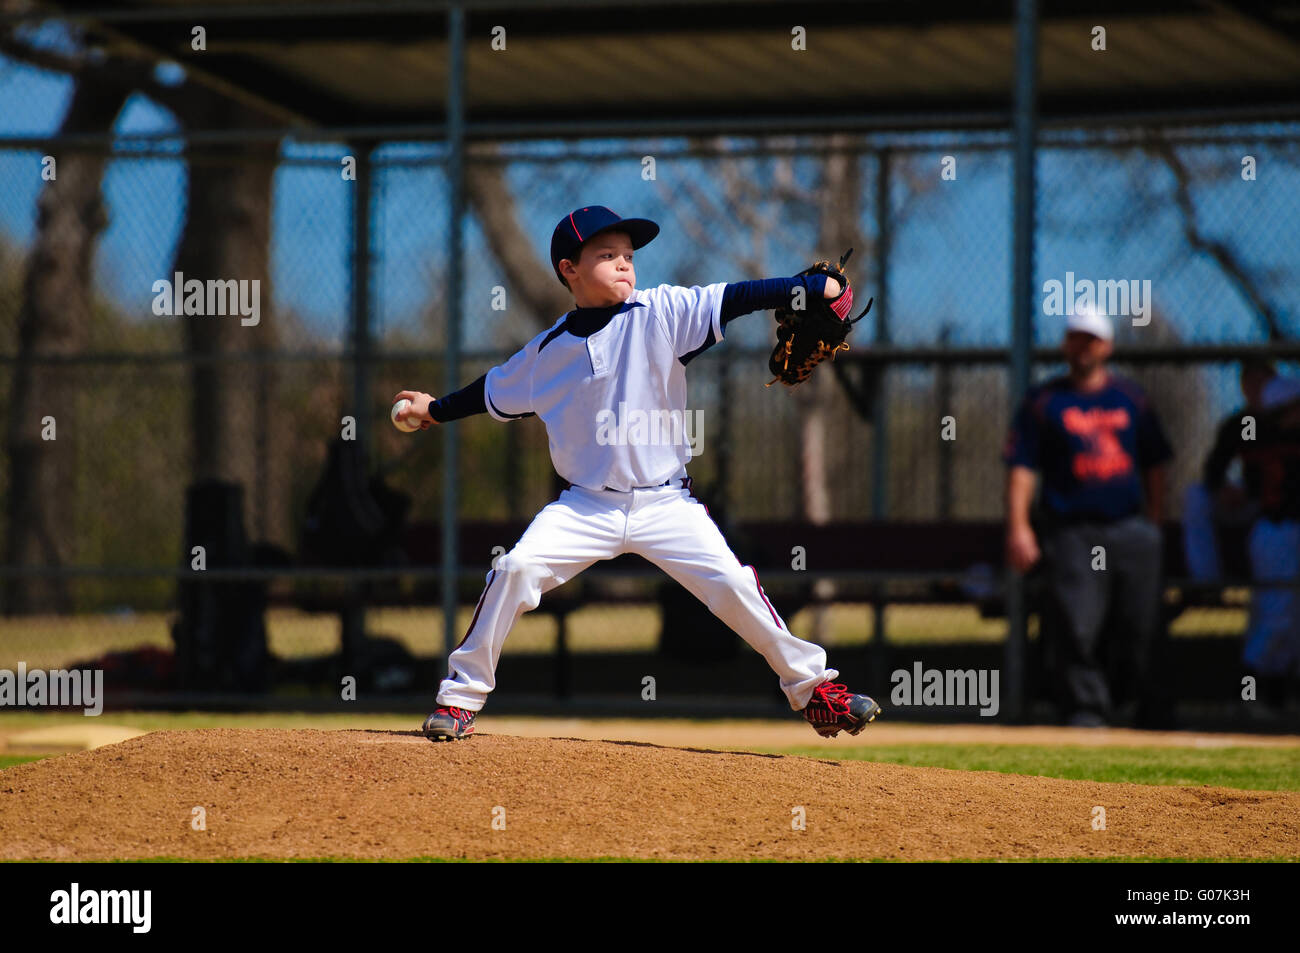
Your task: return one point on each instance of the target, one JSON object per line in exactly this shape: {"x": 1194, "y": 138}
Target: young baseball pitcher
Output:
{"x": 618, "y": 352}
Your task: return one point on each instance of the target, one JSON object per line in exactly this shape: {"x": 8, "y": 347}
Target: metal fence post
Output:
{"x": 352, "y": 618}
{"x": 943, "y": 389}
{"x": 879, "y": 653}
{"x": 361, "y": 336}
{"x": 455, "y": 302}
{"x": 1022, "y": 328}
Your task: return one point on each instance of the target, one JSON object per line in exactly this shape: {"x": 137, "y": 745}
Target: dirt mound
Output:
{"x": 393, "y": 794}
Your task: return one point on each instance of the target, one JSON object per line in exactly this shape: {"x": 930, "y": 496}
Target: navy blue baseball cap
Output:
{"x": 583, "y": 224}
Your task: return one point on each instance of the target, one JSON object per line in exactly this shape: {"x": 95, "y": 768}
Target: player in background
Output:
{"x": 608, "y": 379}
{"x": 1267, "y": 447}
{"x": 1099, "y": 447}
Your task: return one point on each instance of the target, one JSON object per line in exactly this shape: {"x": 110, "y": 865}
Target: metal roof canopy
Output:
{"x": 664, "y": 67}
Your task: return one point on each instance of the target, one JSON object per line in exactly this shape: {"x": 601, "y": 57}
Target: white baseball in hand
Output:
{"x": 399, "y": 422}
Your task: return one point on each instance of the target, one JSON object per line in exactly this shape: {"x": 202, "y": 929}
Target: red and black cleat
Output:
{"x": 833, "y": 708}
{"x": 449, "y": 724}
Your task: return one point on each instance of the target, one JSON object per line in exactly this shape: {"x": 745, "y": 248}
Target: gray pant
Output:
{"x": 1100, "y": 625}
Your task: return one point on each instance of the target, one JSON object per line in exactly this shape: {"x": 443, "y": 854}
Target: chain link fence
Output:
{"x": 1203, "y": 218}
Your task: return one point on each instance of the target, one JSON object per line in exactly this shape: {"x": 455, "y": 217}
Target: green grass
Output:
{"x": 9, "y": 760}
{"x": 1255, "y": 769}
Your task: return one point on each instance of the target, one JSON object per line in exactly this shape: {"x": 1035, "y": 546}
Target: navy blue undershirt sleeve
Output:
{"x": 469, "y": 400}
{"x": 743, "y": 297}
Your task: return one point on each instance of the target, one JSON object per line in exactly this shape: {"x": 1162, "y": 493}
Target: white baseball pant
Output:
{"x": 664, "y": 524}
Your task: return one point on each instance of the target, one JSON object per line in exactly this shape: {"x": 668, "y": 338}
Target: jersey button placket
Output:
{"x": 599, "y": 366}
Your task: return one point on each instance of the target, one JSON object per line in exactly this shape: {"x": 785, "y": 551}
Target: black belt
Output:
{"x": 655, "y": 487}
{"x": 611, "y": 489}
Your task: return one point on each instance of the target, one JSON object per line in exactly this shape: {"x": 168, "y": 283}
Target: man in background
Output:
{"x": 1100, "y": 451}
{"x": 1218, "y": 500}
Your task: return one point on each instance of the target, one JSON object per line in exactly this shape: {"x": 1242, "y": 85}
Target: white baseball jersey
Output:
{"x": 614, "y": 402}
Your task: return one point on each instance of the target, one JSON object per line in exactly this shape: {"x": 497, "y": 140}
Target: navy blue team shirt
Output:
{"x": 1089, "y": 448}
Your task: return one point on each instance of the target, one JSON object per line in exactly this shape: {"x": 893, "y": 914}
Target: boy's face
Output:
{"x": 603, "y": 274}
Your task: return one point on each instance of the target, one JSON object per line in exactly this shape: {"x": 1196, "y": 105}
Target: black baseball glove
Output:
{"x": 807, "y": 337}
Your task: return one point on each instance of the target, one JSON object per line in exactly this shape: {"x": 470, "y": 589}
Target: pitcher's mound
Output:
{"x": 280, "y": 794}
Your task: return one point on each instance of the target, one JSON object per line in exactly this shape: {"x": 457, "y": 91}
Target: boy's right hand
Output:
{"x": 418, "y": 412}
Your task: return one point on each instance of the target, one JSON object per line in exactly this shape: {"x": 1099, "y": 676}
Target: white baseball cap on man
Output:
{"x": 1090, "y": 321}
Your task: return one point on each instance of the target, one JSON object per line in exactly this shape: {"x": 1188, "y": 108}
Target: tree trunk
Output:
{"x": 54, "y": 319}
{"x": 530, "y": 277}
{"x": 235, "y": 431}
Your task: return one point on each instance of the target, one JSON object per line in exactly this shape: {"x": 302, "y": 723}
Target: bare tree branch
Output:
{"x": 129, "y": 65}
{"x": 529, "y": 277}
{"x": 1222, "y": 255}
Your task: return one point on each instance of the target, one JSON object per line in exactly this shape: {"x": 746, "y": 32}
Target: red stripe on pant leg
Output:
{"x": 492, "y": 577}
{"x": 688, "y": 484}
{"x": 764, "y": 595}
